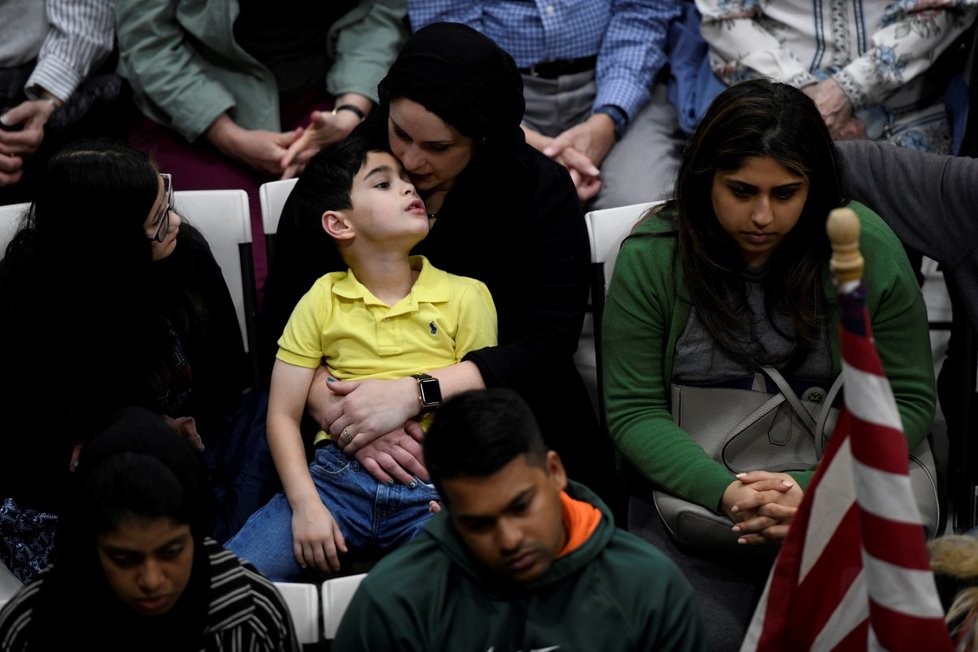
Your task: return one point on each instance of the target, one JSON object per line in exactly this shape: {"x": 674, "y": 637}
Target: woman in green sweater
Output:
{"x": 731, "y": 275}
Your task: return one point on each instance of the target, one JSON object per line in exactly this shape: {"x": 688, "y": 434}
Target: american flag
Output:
{"x": 853, "y": 572}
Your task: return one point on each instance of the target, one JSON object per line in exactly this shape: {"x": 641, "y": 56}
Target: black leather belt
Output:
{"x": 555, "y": 69}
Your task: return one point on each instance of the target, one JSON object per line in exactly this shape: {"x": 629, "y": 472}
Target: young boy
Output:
{"x": 390, "y": 315}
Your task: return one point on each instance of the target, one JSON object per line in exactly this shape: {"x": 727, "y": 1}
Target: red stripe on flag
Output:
{"x": 856, "y": 640}
{"x": 860, "y": 353}
{"x": 879, "y": 447}
{"x": 897, "y": 631}
{"x": 901, "y": 544}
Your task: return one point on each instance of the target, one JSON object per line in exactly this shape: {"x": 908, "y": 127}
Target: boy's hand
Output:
{"x": 316, "y": 539}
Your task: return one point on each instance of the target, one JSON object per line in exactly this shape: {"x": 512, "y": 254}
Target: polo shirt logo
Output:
{"x": 434, "y": 329}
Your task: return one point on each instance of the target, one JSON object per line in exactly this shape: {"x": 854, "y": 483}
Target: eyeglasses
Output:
{"x": 162, "y": 220}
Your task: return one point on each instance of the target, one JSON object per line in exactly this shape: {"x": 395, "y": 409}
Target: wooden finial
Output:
{"x": 843, "y": 229}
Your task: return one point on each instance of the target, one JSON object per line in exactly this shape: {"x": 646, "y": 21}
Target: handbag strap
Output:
{"x": 816, "y": 427}
{"x": 791, "y": 397}
{"x": 750, "y": 419}
{"x": 823, "y": 415}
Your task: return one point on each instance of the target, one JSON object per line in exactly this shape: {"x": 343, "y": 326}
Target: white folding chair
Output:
{"x": 10, "y": 219}
{"x": 303, "y": 603}
{"x": 223, "y": 217}
{"x": 337, "y": 593}
{"x": 273, "y": 196}
{"x": 607, "y": 228}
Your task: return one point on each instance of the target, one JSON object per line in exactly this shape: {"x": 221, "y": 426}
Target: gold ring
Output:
{"x": 346, "y": 435}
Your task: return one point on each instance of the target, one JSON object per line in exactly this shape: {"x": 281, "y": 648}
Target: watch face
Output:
{"x": 430, "y": 391}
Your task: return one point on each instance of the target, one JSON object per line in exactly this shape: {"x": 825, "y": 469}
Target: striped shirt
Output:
{"x": 628, "y": 36}
{"x": 246, "y": 612}
{"x": 67, "y": 37}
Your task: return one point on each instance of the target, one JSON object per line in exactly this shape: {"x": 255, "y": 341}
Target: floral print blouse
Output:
{"x": 881, "y": 52}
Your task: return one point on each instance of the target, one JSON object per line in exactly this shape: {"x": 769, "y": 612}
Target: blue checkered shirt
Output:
{"x": 628, "y": 36}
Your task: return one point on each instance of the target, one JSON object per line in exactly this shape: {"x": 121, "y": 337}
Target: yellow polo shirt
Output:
{"x": 339, "y": 322}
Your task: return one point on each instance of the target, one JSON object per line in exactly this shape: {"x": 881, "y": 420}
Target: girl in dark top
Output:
{"x": 133, "y": 569}
{"x": 106, "y": 299}
{"x": 450, "y": 110}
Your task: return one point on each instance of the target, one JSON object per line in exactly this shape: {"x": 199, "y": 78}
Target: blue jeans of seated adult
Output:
{"x": 368, "y": 513}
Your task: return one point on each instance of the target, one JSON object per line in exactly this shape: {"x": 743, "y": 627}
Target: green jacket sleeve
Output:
{"x": 638, "y": 340}
{"x": 164, "y": 70}
{"x": 364, "y": 45}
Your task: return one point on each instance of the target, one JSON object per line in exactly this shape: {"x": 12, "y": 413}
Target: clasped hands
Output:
{"x": 836, "y": 110}
{"x": 280, "y": 154}
{"x": 581, "y": 149}
{"x": 762, "y": 505}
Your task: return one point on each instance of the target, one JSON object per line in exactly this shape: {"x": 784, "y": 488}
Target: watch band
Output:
{"x": 429, "y": 392}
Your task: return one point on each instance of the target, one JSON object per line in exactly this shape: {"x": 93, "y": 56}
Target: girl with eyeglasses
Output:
{"x": 107, "y": 298}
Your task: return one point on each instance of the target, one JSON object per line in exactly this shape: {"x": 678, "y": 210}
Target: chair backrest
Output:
{"x": 273, "y": 196}
{"x": 303, "y": 603}
{"x": 607, "y": 228}
{"x": 10, "y": 217}
{"x": 223, "y": 217}
{"x": 337, "y": 593}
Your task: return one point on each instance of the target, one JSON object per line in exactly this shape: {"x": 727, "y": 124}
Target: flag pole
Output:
{"x": 846, "y": 262}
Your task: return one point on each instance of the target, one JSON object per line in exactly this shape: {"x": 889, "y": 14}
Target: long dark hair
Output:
{"x": 83, "y": 260}
{"x": 758, "y": 119}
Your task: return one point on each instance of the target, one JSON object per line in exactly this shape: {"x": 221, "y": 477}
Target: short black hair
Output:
{"x": 479, "y": 432}
{"x": 327, "y": 178}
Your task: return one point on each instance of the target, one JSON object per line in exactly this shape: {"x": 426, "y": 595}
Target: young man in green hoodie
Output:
{"x": 520, "y": 559}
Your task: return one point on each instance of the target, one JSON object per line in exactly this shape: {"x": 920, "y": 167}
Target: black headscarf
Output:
{"x": 464, "y": 78}
{"x": 76, "y": 604}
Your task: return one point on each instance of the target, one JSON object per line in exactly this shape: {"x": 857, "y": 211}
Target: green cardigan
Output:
{"x": 646, "y": 312}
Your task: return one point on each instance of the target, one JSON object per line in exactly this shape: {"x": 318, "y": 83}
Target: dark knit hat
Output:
{"x": 464, "y": 78}
{"x": 139, "y": 431}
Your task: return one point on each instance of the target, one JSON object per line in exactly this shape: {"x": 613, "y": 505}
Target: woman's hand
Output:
{"x": 762, "y": 505}
{"x": 369, "y": 409}
{"x": 316, "y": 539}
{"x": 324, "y": 128}
{"x": 256, "y": 148}
{"x": 186, "y": 427}
{"x": 396, "y": 456}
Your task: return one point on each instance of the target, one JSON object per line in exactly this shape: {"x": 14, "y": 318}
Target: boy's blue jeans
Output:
{"x": 368, "y": 513}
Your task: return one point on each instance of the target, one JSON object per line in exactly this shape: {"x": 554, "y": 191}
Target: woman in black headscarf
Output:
{"x": 501, "y": 212}
{"x": 133, "y": 568}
